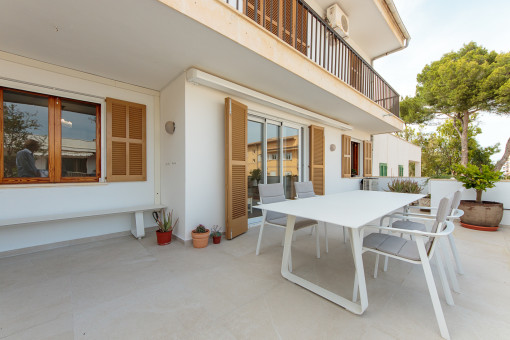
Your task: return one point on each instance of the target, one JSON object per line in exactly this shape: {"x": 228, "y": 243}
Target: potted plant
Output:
{"x": 256, "y": 176}
{"x": 216, "y": 234}
{"x": 165, "y": 228}
{"x": 407, "y": 186}
{"x": 200, "y": 236}
{"x": 478, "y": 214}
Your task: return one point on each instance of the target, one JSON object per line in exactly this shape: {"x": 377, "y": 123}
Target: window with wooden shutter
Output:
{"x": 236, "y": 168}
{"x": 317, "y": 159}
{"x": 367, "y": 158}
{"x": 126, "y": 141}
{"x": 346, "y": 156}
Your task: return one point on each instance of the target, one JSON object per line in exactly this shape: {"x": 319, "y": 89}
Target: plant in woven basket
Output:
{"x": 407, "y": 186}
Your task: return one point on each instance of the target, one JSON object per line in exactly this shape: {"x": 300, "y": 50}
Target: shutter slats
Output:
{"x": 367, "y": 158}
{"x": 236, "y": 168}
{"x": 317, "y": 166}
{"x": 346, "y": 156}
{"x": 126, "y": 141}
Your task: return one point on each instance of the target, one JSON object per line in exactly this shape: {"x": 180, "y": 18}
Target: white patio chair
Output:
{"x": 453, "y": 214}
{"x": 420, "y": 249}
{"x": 305, "y": 190}
{"x": 408, "y": 224}
{"x": 272, "y": 193}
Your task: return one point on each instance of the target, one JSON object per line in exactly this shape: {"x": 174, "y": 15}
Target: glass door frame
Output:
{"x": 281, "y": 123}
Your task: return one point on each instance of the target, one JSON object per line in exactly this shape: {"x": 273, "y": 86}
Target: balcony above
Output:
{"x": 149, "y": 43}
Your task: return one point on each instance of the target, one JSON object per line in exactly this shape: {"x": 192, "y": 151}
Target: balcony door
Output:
{"x": 274, "y": 155}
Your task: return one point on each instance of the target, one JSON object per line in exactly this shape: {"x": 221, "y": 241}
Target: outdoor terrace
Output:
{"x": 123, "y": 288}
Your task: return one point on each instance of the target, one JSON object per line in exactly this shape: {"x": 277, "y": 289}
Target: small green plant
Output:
{"x": 167, "y": 223}
{"x": 256, "y": 174}
{"x": 215, "y": 231}
{"x": 407, "y": 186}
{"x": 200, "y": 229}
{"x": 477, "y": 178}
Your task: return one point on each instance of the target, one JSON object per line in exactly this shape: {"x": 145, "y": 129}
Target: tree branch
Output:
{"x": 503, "y": 159}
{"x": 456, "y": 117}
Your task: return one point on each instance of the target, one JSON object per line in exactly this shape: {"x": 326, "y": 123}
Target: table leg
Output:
{"x": 358, "y": 264}
{"x": 339, "y": 300}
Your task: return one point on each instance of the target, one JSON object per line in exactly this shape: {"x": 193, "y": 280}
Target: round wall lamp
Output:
{"x": 332, "y": 147}
{"x": 170, "y": 127}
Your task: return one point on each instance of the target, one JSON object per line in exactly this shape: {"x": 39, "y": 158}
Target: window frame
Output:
{"x": 401, "y": 170}
{"x": 54, "y": 142}
{"x": 383, "y": 169}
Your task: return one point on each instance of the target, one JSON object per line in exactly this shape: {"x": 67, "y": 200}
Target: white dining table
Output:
{"x": 351, "y": 209}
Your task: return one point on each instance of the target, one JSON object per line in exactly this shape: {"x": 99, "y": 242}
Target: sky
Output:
{"x": 440, "y": 26}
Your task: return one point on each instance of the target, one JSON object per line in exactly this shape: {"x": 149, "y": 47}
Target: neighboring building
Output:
{"x": 506, "y": 168}
{"x": 104, "y": 83}
{"x": 395, "y": 157}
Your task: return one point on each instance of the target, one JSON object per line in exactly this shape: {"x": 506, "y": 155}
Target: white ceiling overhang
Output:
{"x": 148, "y": 44}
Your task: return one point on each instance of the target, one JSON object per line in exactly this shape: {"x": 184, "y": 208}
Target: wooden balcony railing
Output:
{"x": 298, "y": 25}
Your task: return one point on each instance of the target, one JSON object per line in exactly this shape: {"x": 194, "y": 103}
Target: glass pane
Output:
{"x": 290, "y": 160}
{"x": 273, "y": 153}
{"x": 25, "y": 135}
{"x": 78, "y": 122}
{"x": 255, "y": 166}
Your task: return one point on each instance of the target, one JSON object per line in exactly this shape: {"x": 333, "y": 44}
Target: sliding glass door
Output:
{"x": 274, "y": 156}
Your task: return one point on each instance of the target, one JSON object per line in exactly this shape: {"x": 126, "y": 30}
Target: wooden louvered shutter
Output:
{"x": 317, "y": 159}
{"x": 236, "y": 168}
{"x": 346, "y": 156}
{"x": 367, "y": 158}
{"x": 249, "y": 10}
{"x": 301, "y": 28}
{"x": 126, "y": 141}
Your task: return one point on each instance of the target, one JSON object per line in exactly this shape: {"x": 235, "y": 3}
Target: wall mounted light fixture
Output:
{"x": 170, "y": 127}
{"x": 332, "y": 147}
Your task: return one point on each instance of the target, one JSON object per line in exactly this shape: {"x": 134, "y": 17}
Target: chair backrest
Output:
{"x": 442, "y": 213}
{"x": 272, "y": 193}
{"x": 456, "y": 199}
{"x": 304, "y": 189}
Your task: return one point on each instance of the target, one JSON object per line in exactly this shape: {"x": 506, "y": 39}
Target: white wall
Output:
{"x": 500, "y": 193}
{"x": 172, "y": 150}
{"x": 394, "y": 151}
{"x": 44, "y": 199}
{"x": 204, "y": 155}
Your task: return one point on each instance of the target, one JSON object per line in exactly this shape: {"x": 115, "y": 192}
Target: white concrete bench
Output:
{"x": 138, "y": 229}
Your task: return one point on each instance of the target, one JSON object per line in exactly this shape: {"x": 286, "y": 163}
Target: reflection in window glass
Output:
{"x": 78, "y": 122}
{"x": 290, "y": 163}
{"x": 255, "y": 166}
{"x": 25, "y": 122}
{"x": 273, "y": 152}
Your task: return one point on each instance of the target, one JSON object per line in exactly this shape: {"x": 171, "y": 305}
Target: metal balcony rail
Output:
{"x": 300, "y": 26}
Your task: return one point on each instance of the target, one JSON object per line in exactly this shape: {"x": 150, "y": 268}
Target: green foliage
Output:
{"x": 441, "y": 149}
{"x": 476, "y": 178}
{"x": 215, "y": 231}
{"x": 256, "y": 174}
{"x": 459, "y": 85}
{"x": 167, "y": 223}
{"x": 407, "y": 186}
{"x": 200, "y": 229}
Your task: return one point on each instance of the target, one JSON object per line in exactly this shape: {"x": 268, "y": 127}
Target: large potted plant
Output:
{"x": 478, "y": 214}
{"x": 200, "y": 236}
{"x": 165, "y": 228}
{"x": 256, "y": 176}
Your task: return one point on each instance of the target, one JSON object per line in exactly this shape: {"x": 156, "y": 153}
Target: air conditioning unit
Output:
{"x": 371, "y": 184}
{"x": 338, "y": 20}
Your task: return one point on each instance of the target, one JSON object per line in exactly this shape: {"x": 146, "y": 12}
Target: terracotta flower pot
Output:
{"x": 200, "y": 240}
{"x": 216, "y": 239}
{"x": 481, "y": 216}
{"x": 163, "y": 237}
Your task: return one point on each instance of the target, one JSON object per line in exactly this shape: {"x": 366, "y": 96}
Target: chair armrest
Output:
{"x": 447, "y": 231}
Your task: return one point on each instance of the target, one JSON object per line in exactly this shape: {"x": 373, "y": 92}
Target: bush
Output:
{"x": 476, "y": 178}
{"x": 406, "y": 186}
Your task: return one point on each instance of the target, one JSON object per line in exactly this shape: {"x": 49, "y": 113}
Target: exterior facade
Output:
{"x": 395, "y": 157}
{"x": 266, "y": 81}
